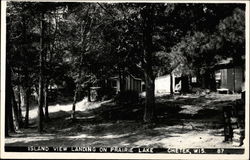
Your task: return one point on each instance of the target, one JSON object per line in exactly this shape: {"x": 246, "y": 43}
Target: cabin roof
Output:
{"x": 225, "y": 63}
{"x": 117, "y": 77}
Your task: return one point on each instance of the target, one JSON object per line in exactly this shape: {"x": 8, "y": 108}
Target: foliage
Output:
{"x": 203, "y": 50}
{"x": 88, "y": 43}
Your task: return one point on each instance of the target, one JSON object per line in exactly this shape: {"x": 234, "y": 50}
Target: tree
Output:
{"x": 41, "y": 76}
{"x": 230, "y": 36}
{"x": 17, "y": 55}
{"x": 24, "y": 42}
{"x": 90, "y": 42}
{"x": 147, "y": 16}
{"x": 9, "y": 124}
{"x": 43, "y": 87}
{"x": 202, "y": 50}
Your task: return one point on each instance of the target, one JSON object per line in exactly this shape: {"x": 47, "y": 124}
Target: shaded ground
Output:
{"x": 183, "y": 121}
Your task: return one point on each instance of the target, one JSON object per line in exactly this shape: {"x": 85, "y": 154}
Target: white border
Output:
{"x": 46, "y": 155}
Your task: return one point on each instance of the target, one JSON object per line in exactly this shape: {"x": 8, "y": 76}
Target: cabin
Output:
{"x": 179, "y": 84}
{"x": 229, "y": 77}
{"x": 132, "y": 83}
{"x": 163, "y": 84}
{"x": 110, "y": 87}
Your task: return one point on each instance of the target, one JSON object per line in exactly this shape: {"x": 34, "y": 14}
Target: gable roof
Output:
{"x": 117, "y": 77}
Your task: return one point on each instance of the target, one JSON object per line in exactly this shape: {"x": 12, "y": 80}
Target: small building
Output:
{"x": 180, "y": 84}
{"x": 111, "y": 86}
{"x": 131, "y": 83}
{"x": 163, "y": 84}
{"x": 229, "y": 76}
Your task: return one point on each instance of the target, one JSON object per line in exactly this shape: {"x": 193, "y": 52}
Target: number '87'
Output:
{"x": 220, "y": 150}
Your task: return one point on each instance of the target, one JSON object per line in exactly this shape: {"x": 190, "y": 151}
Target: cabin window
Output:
{"x": 218, "y": 76}
{"x": 194, "y": 79}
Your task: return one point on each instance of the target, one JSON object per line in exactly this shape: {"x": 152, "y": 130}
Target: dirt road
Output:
{"x": 183, "y": 121}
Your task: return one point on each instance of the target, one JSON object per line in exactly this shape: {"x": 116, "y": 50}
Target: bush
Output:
{"x": 128, "y": 96}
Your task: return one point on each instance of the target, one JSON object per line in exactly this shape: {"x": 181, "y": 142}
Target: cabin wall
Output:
{"x": 133, "y": 84}
{"x": 130, "y": 84}
{"x": 238, "y": 79}
{"x": 118, "y": 86}
{"x": 162, "y": 84}
{"x": 231, "y": 78}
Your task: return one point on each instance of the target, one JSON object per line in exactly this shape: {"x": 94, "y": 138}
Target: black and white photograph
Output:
{"x": 103, "y": 79}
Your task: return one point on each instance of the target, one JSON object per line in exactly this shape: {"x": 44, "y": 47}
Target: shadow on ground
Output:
{"x": 181, "y": 120}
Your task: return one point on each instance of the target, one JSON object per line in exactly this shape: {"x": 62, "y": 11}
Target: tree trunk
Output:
{"x": 9, "y": 125}
{"x": 74, "y": 103}
{"x": 190, "y": 85}
{"x": 171, "y": 84}
{"x": 10, "y": 119}
{"x": 212, "y": 81}
{"x": 89, "y": 97}
{"x": 147, "y": 15}
{"x": 205, "y": 80}
{"x": 27, "y": 105}
{"x": 20, "y": 120}
{"x": 25, "y": 89}
{"x": 77, "y": 89}
{"x": 150, "y": 99}
{"x": 46, "y": 81}
{"x": 78, "y": 83}
{"x": 208, "y": 80}
{"x": 40, "y": 104}
{"x": 25, "y": 97}
{"x": 15, "y": 109}
{"x": 46, "y": 107}
{"x": 41, "y": 78}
